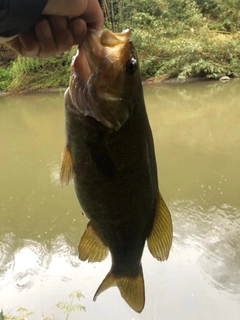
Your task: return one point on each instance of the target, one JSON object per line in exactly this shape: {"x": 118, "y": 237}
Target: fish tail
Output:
{"x": 131, "y": 289}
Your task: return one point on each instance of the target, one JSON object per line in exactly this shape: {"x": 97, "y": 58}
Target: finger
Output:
{"x": 93, "y": 15}
{"x": 7, "y": 39}
{"x": 62, "y": 33}
{"x": 79, "y": 30}
{"x": 45, "y": 37}
{"x": 26, "y": 44}
{"x": 29, "y": 44}
{"x": 88, "y": 10}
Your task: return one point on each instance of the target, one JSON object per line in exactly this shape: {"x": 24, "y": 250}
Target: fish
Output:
{"x": 110, "y": 156}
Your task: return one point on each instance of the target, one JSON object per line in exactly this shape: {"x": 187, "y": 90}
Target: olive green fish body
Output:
{"x": 110, "y": 156}
{"x": 115, "y": 180}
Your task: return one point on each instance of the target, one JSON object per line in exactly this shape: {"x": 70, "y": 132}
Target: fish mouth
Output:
{"x": 97, "y": 82}
{"x": 103, "y": 44}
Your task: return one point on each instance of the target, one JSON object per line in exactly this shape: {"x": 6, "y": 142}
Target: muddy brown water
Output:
{"x": 196, "y": 129}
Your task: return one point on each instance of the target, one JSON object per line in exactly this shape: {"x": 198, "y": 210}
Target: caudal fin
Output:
{"x": 131, "y": 289}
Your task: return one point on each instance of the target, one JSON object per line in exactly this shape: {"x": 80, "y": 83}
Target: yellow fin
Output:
{"x": 131, "y": 289}
{"x": 66, "y": 173}
{"x": 91, "y": 247}
{"x": 160, "y": 238}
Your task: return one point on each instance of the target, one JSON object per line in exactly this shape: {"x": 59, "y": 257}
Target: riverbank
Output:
{"x": 190, "y": 56}
{"x": 147, "y": 82}
{"x": 197, "y": 58}
{"x": 42, "y": 90}
{"x": 153, "y": 81}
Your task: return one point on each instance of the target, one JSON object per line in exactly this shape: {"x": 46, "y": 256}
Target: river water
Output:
{"x": 197, "y": 140}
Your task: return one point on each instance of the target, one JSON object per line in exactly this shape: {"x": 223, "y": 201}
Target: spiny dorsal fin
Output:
{"x": 131, "y": 289}
{"x": 160, "y": 238}
{"x": 66, "y": 173}
{"x": 91, "y": 247}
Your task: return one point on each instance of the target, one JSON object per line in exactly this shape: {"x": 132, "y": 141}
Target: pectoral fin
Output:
{"x": 66, "y": 173}
{"x": 160, "y": 238}
{"x": 91, "y": 247}
{"x": 131, "y": 289}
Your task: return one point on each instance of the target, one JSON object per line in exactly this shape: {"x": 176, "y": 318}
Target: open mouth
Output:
{"x": 104, "y": 44}
{"x": 98, "y": 77}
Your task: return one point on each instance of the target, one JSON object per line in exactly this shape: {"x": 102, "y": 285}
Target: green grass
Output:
{"x": 67, "y": 307}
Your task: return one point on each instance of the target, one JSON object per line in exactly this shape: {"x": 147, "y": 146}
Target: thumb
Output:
{"x": 89, "y": 10}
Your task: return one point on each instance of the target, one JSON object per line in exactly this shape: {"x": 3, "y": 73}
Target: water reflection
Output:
{"x": 197, "y": 142}
{"x": 214, "y": 233}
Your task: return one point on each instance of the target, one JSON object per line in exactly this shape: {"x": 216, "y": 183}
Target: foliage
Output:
{"x": 203, "y": 56}
{"x": 31, "y": 74}
{"x": 67, "y": 307}
{"x": 174, "y": 37}
{"x": 150, "y": 14}
{"x": 224, "y": 14}
{"x": 4, "y": 81}
{"x": 24, "y": 314}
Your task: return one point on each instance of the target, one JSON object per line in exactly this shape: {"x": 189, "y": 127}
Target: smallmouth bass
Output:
{"x": 110, "y": 155}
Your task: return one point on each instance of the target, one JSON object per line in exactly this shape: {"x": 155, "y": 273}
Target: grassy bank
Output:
{"x": 26, "y": 74}
{"x": 178, "y": 38}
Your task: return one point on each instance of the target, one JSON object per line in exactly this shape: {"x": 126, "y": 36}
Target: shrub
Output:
{"x": 4, "y": 78}
{"x": 28, "y": 74}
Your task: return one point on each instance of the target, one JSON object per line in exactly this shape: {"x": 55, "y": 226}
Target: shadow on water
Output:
{"x": 197, "y": 141}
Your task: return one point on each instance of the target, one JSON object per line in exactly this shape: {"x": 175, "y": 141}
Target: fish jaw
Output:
{"x": 100, "y": 84}
{"x": 105, "y": 44}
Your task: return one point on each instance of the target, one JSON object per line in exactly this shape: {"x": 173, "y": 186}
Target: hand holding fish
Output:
{"x": 62, "y": 24}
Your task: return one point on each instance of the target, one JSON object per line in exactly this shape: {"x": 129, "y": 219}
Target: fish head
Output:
{"x": 105, "y": 79}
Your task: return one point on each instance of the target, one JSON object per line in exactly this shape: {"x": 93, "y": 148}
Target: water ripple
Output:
{"x": 6, "y": 258}
{"x": 214, "y": 232}
{"x": 22, "y": 262}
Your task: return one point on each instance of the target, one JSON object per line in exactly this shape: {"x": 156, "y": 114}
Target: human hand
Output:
{"x": 64, "y": 25}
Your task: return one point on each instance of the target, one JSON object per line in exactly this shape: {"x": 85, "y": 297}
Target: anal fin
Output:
{"x": 131, "y": 289}
{"x": 66, "y": 173}
{"x": 91, "y": 247}
{"x": 160, "y": 238}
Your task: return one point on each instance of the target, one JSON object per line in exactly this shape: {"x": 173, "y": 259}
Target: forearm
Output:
{"x": 18, "y": 15}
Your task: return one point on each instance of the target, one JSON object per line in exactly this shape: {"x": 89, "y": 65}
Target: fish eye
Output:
{"x": 131, "y": 65}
